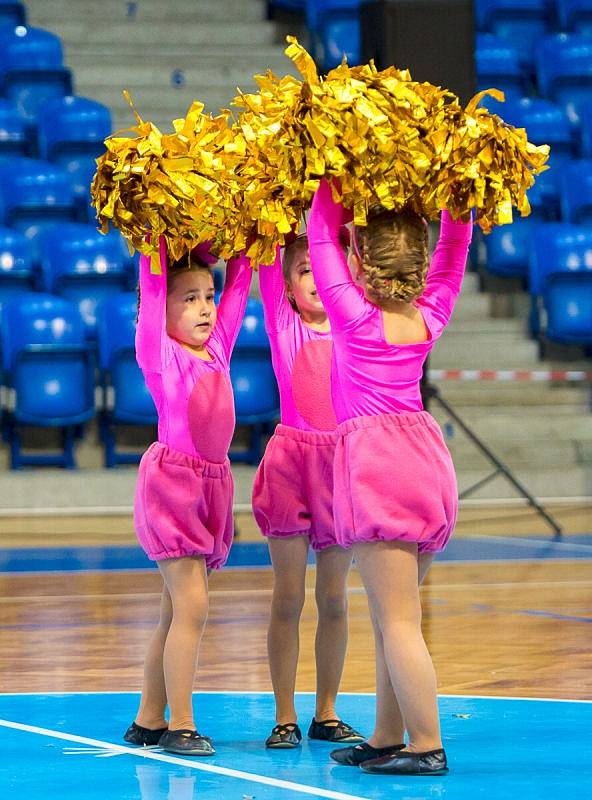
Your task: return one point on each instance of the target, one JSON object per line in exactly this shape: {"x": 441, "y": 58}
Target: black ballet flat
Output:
{"x": 334, "y": 730}
{"x": 432, "y": 762}
{"x": 185, "y": 742}
{"x": 357, "y": 754}
{"x": 284, "y": 737}
{"x": 143, "y": 737}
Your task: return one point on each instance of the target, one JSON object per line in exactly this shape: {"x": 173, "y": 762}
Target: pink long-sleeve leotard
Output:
{"x": 372, "y": 376}
{"x": 193, "y": 397}
{"x": 301, "y": 357}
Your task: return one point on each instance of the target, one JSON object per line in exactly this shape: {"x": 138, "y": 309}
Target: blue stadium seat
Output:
{"x": 558, "y": 249}
{"x": 498, "y": 66}
{"x": 507, "y": 249}
{"x": 575, "y": 15}
{"x": 539, "y": 209}
{"x": 13, "y": 134}
{"x": 16, "y": 264}
{"x": 564, "y": 71}
{"x": 12, "y": 13}
{"x": 545, "y": 123}
{"x": 127, "y": 400}
{"x": 586, "y": 130}
{"x": 255, "y": 389}
{"x": 33, "y": 194}
{"x": 84, "y": 266}
{"x": 72, "y": 131}
{"x": 334, "y": 27}
{"x": 520, "y": 22}
{"x": 576, "y": 191}
{"x": 50, "y": 369}
{"x": 32, "y": 69}
{"x": 568, "y": 302}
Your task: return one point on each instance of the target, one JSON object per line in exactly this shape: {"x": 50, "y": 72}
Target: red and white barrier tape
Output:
{"x": 508, "y": 375}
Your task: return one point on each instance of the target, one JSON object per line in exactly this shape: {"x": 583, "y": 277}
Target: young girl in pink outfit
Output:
{"x": 293, "y": 498}
{"x": 395, "y": 487}
{"x": 183, "y": 505}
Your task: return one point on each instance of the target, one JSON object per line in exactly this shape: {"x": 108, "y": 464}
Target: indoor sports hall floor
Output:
{"x": 507, "y": 619}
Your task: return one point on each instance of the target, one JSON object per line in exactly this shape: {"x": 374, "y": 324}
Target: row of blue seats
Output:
{"x": 555, "y": 259}
{"x": 335, "y": 30}
{"x": 32, "y": 70}
{"x": 51, "y": 372}
{"x": 70, "y": 133}
{"x": 562, "y": 69}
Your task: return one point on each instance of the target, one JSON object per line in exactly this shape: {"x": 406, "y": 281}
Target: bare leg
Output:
{"x": 187, "y": 582}
{"x": 331, "y": 639}
{"x": 389, "y": 728}
{"x": 153, "y": 701}
{"x": 288, "y": 556}
{"x": 390, "y": 573}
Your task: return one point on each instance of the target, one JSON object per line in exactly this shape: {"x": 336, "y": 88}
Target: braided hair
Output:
{"x": 393, "y": 253}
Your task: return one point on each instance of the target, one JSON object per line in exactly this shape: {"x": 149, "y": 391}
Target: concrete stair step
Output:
{"x": 133, "y": 51}
{"x": 575, "y": 481}
{"x": 44, "y": 14}
{"x": 485, "y": 325}
{"x": 566, "y": 398}
{"x": 514, "y": 455}
{"x": 510, "y": 425}
{"x": 159, "y": 78}
{"x": 226, "y": 33}
{"x": 477, "y": 350}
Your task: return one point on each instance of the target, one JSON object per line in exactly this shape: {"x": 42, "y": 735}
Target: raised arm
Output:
{"x": 446, "y": 271}
{"x": 153, "y": 346}
{"x": 233, "y": 302}
{"x": 276, "y": 306}
{"x": 344, "y": 302}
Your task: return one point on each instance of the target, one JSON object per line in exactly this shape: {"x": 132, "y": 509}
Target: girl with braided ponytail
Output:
{"x": 395, "y": 493}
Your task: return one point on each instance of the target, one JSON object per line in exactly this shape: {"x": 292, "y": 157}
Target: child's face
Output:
{"x": 301, "y": 287}
{"x": 190, "y": 309}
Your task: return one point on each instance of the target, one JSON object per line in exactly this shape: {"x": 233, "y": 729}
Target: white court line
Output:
{"x": 262, "y": 692}
{"x": 142, "y": 752}
{"x": 586, "y": 548}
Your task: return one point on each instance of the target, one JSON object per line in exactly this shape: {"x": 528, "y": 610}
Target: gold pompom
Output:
{"x": 249, "y": 181}
{"x": 182, "y": 185}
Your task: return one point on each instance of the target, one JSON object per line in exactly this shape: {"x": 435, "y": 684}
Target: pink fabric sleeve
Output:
{"x": 342, "y": 299}
{"x": 446, "y": 272}
{"x": 233, "y": 301}
{"x": 278, "y": 312}
{"x": 153, "y": 346}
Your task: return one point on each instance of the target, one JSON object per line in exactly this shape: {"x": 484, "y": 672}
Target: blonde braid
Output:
{"x": 394, "y": 254}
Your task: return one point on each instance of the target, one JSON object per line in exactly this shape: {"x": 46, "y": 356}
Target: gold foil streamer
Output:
{"x": 388, "y": 139}
{"x": 183, "y": 185}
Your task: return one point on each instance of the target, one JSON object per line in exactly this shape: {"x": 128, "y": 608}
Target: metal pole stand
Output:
{"x": 430, "y": 392}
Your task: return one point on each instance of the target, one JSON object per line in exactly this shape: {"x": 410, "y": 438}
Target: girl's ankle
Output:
{"x": 152, "y": 723}
{"x": 386, "y": 739}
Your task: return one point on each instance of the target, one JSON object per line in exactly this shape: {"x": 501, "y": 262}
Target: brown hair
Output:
{"x": 393, "y": 251}
{"x": 188, "y": 263}
{"x": 298, "y": 246}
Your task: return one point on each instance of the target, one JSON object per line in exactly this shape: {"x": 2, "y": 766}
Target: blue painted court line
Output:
{"x": 68, "y": 745}
{"x": 256, "y": 554}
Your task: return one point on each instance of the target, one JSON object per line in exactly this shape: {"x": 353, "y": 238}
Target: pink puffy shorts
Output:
{"x": 394, "y": 479}
{"x": 183, "y": 506}
{"x": 293, "y": 489}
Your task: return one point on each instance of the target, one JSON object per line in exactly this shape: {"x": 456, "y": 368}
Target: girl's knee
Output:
{"x": 332, "y": 604}
{"x": 288, "y": 606}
